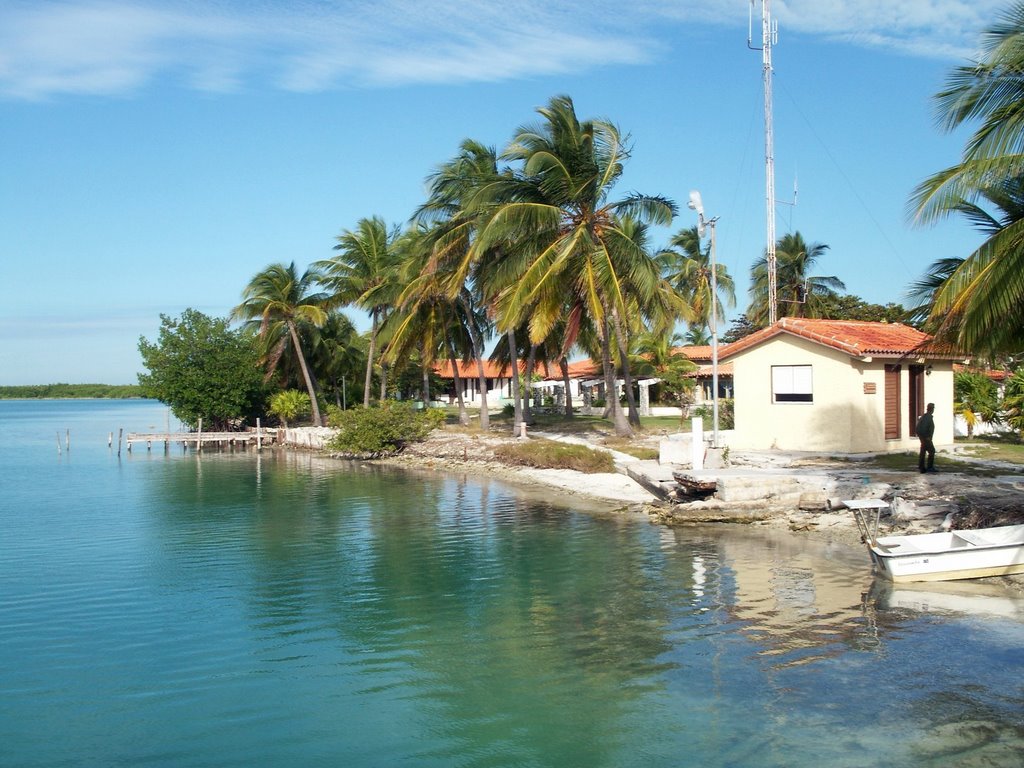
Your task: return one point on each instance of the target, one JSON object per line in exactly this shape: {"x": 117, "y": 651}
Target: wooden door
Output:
{"x": 892, "y": 402}
{"x": 916, "y": 400}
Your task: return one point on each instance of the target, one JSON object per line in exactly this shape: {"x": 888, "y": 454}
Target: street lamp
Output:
{"x": 696, "y": 204}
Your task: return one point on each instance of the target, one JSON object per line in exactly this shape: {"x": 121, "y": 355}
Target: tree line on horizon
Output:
{"x": 532, "y": 245}
{"x": 61, "y": 391}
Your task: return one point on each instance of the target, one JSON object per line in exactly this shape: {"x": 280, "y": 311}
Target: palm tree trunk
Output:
{"x": 563, "y": 364}
{"x": 305, "y": 374}
{"x": 369, "y": 361}
{"x": 531, "y": 362}
{"x": 620, "y": 338}
{"x": 463, "y": 416}
{"x": 622, "y": 428}
{"x": 426, "y": 387}
{"x": 478, "y": 353}
{"x": 517, "y": 403}
{"x": 383, "y": 381}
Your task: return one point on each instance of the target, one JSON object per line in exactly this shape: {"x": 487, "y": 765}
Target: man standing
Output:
{"x": 925, "y": 431}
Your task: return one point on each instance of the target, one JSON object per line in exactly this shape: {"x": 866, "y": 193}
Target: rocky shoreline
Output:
{"x": 925, "y": 502}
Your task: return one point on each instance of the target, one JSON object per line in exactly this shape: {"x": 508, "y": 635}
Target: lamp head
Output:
{"x": 696, "y": 204}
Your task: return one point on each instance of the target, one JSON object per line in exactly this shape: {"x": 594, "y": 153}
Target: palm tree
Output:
{"x": 687, "y": 267}
{"x": 922, "y": 292}
{"x": 974, "y": 397}
{"x": 279, "y": 301}
{"x": 966, "y": 300}
{"x": 973, "y": 306}
{"x": 1013, "y": 402}
{"x": 569, "y": 256}
{"x": 697, "y": 336}
{"x": 457, "y": 203}
{"x": 338, "y": 351}
{"x": 427, "y": 319}
{"x": 800, "y": 294}
{"x": 364, "y": 275}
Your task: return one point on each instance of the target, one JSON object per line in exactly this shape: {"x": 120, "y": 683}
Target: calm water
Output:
{"x": 231, "y": 609}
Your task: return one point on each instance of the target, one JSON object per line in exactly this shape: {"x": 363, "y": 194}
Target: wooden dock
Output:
{"x": 258, "y": 437}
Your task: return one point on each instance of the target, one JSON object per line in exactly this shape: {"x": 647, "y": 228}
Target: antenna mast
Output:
{"x": 769, "y": 36}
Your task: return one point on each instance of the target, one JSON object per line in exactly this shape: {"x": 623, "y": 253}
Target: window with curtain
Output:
{"x": 792, "y": 384}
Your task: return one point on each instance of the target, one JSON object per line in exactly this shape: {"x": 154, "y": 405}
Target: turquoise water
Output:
{"x": 235, "y": 609}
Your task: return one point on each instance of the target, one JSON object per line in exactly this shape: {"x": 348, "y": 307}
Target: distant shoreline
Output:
{"x": 61, "y": 391}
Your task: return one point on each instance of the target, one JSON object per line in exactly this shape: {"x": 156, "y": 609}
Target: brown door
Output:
{"x": 916, "y": 400}
{"x": 892, "y": 402}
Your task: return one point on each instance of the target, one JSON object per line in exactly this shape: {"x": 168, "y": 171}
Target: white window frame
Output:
{"x": 792, "y": 384}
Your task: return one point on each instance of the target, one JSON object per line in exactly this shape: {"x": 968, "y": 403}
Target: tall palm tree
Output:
{"x": 973, "y": 305}
{"x": 687, "y": 266}
{"x": 800, "y": 294}
{"x": 566, "y": 245}
{"x": 364, "y": 274}
{"x": 279, "y": 301}
{"x": 427, "y": 319}
{"x": 455, "y": 207}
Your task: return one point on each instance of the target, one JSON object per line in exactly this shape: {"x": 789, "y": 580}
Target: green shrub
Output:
{"x": 289, "y": 404}
{"x": 551, "y": 454}
{"x": 381, "y": 431}
{"x": 726, "y": 414}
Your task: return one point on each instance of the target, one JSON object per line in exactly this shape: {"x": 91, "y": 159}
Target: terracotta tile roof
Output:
{"x": 705, "y": 372}
{"x": 994, "y": 375}
{"x": 857, "y": 338}
{"x": 695, "y": 352}
{"x": 469, "y": 370}
{"x": 584, "y": 369}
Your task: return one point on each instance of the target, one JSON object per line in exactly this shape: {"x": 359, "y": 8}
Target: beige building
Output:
{"x": 844, "y": 386}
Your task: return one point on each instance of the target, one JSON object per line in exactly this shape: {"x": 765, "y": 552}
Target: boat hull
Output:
{"x": 949, "y": 556}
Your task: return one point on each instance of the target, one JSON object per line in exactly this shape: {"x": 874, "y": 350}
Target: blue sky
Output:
{"x": 157, "y": 154}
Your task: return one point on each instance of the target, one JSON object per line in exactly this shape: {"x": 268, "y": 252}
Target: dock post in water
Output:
{"x": 110, "y": 439}
{"x": 259, "y": 441}
{"x": 67, "y": 440}
{"x": 58, "y": 443}
{"x": 120, "y": 431}
{"x": 199, "y": 436}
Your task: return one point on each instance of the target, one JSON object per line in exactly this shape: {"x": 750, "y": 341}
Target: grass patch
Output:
{"x": 995, "y": 449}
{"x": 907, "y": 462}
{"x": 551, "y": 454}
{"x": 627, "y": 445}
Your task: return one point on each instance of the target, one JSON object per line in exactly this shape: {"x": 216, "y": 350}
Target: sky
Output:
{"x": 155, "y": 155}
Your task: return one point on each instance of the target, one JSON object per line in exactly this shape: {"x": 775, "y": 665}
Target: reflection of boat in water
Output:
{"x": 960, "y": 597}
{"x": 939, "y": 556}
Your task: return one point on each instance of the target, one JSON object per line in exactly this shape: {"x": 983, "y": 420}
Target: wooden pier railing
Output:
{"x": 258, "y": 437}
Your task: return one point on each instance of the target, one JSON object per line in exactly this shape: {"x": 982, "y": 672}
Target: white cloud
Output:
{"x": 111, "y": 47}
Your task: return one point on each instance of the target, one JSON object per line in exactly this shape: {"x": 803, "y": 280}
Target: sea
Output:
{"x": 164, "y": 607}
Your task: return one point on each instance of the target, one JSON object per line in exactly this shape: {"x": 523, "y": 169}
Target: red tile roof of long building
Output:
{"x": 469, "y": 370}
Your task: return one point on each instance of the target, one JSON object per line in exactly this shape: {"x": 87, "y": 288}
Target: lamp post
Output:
{"x": 696, "y": 204}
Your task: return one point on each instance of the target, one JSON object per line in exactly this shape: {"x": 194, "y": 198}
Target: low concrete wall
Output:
{"x": 676, "y": 449}
{"x": 313, "y": 438}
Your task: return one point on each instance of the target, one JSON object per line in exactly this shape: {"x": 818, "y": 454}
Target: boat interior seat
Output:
{"x": 970, "y": 537}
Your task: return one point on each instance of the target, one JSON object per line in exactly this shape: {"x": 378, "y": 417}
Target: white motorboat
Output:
{"x": 944, "y": 556}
